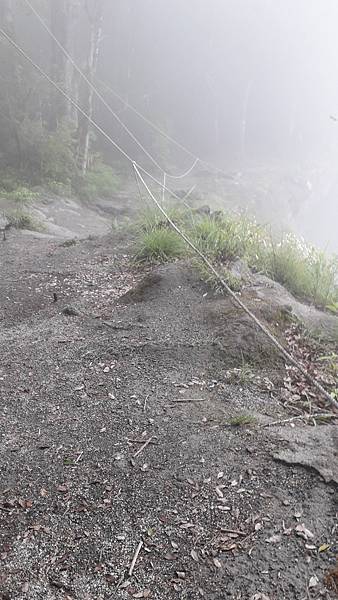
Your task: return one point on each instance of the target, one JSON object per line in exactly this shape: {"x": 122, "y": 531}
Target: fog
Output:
{"x": 250, "y": 86}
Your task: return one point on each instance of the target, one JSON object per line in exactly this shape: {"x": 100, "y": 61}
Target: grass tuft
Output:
{"x": 159, "y": 245}
{"x": 20, "y": 219}
{"x": 242, "y": 420}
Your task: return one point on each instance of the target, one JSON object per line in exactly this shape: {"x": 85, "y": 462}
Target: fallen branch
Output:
{"x": 135, "y": 557}
{"x": 142, "y": 447}
{"x": 300, "y": 417}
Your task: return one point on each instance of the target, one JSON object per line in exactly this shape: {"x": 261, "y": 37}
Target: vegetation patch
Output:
{"x": 21, "y": 219}
{"x": 159, "y": 245}
{"x": 305, "y": 271}
{"x": 242, "y": 420}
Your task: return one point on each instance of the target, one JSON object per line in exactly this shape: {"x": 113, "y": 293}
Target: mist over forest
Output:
{"x": 250, "y": 86}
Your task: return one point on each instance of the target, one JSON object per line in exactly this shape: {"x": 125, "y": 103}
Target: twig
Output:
{"x": 189, "y": 400}
{"x": 145, "y": 403}
{"x": 300, "y": 417}
{"x": 135, "y": 557}
{"x": 79, "y": 457}
{"x": 140, "y": 441}
{"x": 142, "y": 447}
{"x": 234, "y": 531}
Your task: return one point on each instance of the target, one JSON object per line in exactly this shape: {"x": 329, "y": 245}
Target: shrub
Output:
{"x": 100, "y": 182}
{"x": 20, "y": 219}
{"x": 57, "y": 161}
{"x": 22, "y": 195}
{"x": 159, "y": 245}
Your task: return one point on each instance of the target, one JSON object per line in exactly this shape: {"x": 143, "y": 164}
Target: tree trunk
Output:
{"x": 87, "y": 91}
{"x": 60, "y": 73}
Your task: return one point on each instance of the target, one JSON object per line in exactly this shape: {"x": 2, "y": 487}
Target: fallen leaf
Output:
{"x": 62, "y": 488}
{"x": 313, "y": 581}
{"x": 274, "y": 539}
{"x": 259, "y": 597}
{"x": 194, "y": 555}
{"x": 170, "y": 556}
{"x": 303, "y": 532}
{"x": 323, "y": 547}
{"x": 217, "y": 563}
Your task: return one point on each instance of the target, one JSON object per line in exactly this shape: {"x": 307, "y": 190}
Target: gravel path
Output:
{"x": 115, "y": 438}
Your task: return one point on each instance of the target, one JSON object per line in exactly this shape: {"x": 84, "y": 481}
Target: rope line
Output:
{"x": 127, "y": 104}
{"x": 138, "y": 169}
{"x": 236, "y": 299}
{"x": 99, "y": 95}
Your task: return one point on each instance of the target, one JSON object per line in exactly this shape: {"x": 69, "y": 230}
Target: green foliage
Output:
{"x": 21, "y": 219}
{"x": 333, "y": 307}
{"x": 22, "y": 195}
{"x": 101, "y": 182}
{"x": 159, "y": 245}
{"x": 234, "y": 283}
{"x": 57, "y": 160}
{"x": 152, "y": 219}
{"x": 242, "y": 420}
{"x": 305, "y": 271}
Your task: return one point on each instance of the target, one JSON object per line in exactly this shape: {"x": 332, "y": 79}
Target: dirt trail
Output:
{"x": 113, "y": 435}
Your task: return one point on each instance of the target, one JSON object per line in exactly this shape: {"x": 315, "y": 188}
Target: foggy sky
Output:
{"x": 199, "y": 64}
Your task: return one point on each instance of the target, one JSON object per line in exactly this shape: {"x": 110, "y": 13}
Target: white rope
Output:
{"x": 163, "y": 186}
{"x": 127, "y": 104}
{"x": 186, "y": 172}
{"x": 97, "y": 93}
{"x": 236, "y": 299}
{"x": 138, "y": 170}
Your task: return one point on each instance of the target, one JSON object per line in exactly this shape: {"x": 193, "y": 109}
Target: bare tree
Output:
{"x": 94, "y": 11}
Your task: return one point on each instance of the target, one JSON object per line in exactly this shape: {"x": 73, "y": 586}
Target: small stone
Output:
{"x": 71, "y": 311}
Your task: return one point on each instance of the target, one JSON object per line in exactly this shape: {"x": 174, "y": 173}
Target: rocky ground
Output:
{"x": 116, "y": 440}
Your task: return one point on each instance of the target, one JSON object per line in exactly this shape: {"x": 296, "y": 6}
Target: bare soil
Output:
{"x": 115, "y": 431}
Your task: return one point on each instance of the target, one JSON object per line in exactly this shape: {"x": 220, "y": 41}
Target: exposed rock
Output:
{"x": 315, "y": 448}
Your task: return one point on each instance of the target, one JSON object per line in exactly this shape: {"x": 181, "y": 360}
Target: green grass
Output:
{"x": 159, "y": 245}
{"x": 18, "y": 194}
{"x": 21, "y": 219}
{"x": 305, "y": 271}
{"x": 242, "y": 420}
